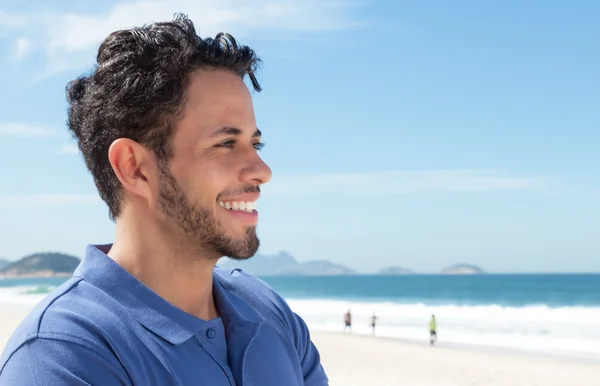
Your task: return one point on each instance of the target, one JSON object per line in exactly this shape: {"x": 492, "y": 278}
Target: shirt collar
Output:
{"x": 232, "y": 308}
{"x": 152, "y": 311}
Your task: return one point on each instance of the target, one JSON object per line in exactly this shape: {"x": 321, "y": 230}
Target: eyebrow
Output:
{"x": 233, "y": 131}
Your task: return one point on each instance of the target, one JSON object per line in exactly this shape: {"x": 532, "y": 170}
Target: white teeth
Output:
{"x": 246, "y": 206}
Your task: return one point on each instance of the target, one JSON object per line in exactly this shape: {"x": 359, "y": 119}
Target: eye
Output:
{"x": 230, "y": 144}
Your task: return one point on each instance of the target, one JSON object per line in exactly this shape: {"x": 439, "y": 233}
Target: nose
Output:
{"x": 256, "y": 172}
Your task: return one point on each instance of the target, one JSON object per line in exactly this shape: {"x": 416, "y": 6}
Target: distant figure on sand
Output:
{"x": 432, "y": 330}
{"x": 373, "y": 322}
{"x": 348, "y": 321}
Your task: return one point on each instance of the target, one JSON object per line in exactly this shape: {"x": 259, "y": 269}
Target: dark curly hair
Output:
{"x": 137, "y": 90}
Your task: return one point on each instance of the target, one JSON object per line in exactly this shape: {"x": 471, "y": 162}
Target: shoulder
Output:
{"x": 239, "y": 282}
{"x": 73, "y": 317}
{"x": 251, "y": 289}
{"x": 273, "y": 308}
{"x": 259, "y": 295}
{"x": 43, "y": 315}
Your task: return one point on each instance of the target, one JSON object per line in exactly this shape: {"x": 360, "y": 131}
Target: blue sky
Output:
{"x": 418, "y": 134}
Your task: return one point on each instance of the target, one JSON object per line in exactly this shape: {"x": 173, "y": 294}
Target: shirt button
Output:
{"x": 210, "y": 333}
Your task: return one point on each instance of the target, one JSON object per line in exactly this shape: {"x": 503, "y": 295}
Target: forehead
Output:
{"x": 216, "y": 99}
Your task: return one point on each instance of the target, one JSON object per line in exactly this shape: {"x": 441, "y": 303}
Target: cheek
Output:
{"x": 207, "y": 183}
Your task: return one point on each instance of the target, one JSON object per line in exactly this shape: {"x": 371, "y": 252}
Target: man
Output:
{"x": 348, "y": 321}
{"x": 167, "y": 129}
{"x": 432, "y": 330}
{"x": 373, "y": 323}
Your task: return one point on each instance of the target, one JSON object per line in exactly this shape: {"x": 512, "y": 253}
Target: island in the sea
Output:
{"x": 283, "y": 263}
{"x": 41, "y": 265}
{"x": 392, "y": 271}
{"x": 462, "y": 269}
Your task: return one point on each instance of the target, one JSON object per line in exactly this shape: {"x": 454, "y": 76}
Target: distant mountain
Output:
{"x": 318, "y": 267}
{"x": 262, "y": 264}
{"x": 462, "y": 269}
{"x": 395, "y": 271}
{"x": 4, "y": 263}
{"x": 284, "y": 264}
{"x": 41, "y": 265}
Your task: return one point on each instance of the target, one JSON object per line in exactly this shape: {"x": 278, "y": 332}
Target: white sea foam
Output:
{"x": 22, "y": 296}
{"x": 571, "y": 331}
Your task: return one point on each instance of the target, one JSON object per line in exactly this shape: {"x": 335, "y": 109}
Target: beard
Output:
{"x": 199, "y": 225}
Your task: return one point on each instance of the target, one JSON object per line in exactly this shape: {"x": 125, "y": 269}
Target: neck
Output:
{"x": 181, "y": 276}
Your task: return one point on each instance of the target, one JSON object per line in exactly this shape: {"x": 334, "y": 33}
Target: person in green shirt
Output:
{"x": 432, "y": 330}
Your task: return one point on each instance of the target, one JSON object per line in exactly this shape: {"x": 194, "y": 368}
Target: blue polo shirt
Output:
{"x": 105, "y": 327}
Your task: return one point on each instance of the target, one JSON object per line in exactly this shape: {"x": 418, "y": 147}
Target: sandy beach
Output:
{"x": 353, "y": 360}
{"x": 9, "y": 321}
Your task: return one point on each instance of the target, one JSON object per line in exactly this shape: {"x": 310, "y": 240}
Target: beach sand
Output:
{"x": 9, "y": 320}
{"x": 352, "y": 360}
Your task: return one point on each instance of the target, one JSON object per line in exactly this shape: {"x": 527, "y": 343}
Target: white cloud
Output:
{"x": 401, "y": 182}
{"x": 69, "y": 149}
{"x": 27, "y": 130}
{"x": 67, "y": 35}
{"x": 20, "y": 49}
{"x": 36, "y": 201}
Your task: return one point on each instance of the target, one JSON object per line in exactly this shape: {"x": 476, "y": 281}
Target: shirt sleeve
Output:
{"x": 48, "y": 362}
{"x": 314, "y": 374}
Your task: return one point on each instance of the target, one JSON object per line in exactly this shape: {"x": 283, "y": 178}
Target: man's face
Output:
{"x": 209, "y": 186}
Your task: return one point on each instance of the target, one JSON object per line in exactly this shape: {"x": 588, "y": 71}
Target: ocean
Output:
{"x": 550, "y": 314}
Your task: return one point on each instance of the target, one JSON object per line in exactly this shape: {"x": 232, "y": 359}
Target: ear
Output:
{"x": 135, "y": 167}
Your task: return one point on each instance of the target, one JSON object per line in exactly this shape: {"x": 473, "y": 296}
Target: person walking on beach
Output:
{"x": 432, "y": 330}
{"x": 373, "y": 323}
{"x": 166, "y": 126}
{"x": 348, "y": 321}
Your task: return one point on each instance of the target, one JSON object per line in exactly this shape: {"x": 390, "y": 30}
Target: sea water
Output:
{"x": 552, "y": 314}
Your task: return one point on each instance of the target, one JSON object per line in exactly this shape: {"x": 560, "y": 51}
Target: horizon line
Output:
{"x": 354, "y": 273}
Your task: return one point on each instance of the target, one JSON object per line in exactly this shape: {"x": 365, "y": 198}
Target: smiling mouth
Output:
{"x": 242, "y": 206}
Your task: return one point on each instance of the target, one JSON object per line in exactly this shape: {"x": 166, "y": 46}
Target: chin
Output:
{"x": 240, "y": 258}
{"x": 238, "y": 246}
{"x": 243, "y": 234}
